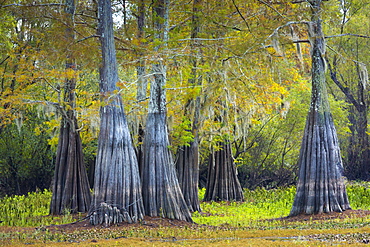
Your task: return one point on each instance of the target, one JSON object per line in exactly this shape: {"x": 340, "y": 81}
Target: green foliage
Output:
{"x": 29, "y": 210}
{"x": 182, "y": 133}
{"x": 359, "y": 195}
{"x": 235, "y": 220}
{"x": 261, "y": 204}
{"x": 26, "y": 161}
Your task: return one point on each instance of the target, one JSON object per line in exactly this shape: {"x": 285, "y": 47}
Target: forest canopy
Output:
{"x": 250, "y": 85}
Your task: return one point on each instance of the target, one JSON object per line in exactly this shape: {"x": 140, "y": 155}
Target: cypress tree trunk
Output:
{"x": 320, "y": 186}
{"x": 222, "y": 180}
{"x": 162, "y": 195}
{"x": 187, "y": 161}
{"x": 187, "y": 166}
{"x": 161, "y": 191}
{"x": 71, "y": 189}
{"x": 358, "y": 152}
{"x": 117, "y": 188}
{"x": 142, "y": 82}
{"x": 359, "y": 148}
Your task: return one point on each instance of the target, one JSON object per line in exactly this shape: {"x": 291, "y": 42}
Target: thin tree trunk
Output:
{"x": 71, "y": 189}
{"x": 358, "y": 152}
{"x": 187, "y": 161}
{"x": 222, "y": 180}
{"x": 320, "y": 186}
{"x": 142, "y": 81}
{"x": 117, "y": 189}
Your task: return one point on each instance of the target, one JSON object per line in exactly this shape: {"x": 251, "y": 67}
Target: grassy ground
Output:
{"x": 259, "y": 221}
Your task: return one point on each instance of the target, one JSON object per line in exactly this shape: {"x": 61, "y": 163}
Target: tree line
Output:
{"x": 190, "y": 93}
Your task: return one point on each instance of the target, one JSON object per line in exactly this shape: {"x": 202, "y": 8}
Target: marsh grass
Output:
{"x": 29, "y": 210}
{"x": 223, "y": 222}
{"x": 32, "y": 210}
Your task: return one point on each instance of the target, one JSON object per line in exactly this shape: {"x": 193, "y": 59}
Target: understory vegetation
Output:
{"x": 218, "y": 223}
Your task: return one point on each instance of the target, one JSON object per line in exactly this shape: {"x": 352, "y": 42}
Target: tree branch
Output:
{"x": 345, "y": 90}
{"x": 348, "y": 34}
{"x": 33, "y": 5}
{"x": 3, "y": 61}
{"x": 268, "y": 5}
{"x": 85, "y": 38}
{"x": 237, "y": 9}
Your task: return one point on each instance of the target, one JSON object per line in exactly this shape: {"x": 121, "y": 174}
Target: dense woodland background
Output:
{"x": 250, "y": 84}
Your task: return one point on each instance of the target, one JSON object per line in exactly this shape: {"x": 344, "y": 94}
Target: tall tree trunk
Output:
{"x": 358, "y": 152}
{"x": 320, "y": 186}
{"x": 187, "y": 166}
{"x": 359, "y": 148}
{"x": 117, "y": 189}
{"x": 187, "y": 161}
{"x": 142, "y": 81}
{"x": 71, "y": 189}
{"x": 222, "y": 180}
{"x": 162, "y": 195}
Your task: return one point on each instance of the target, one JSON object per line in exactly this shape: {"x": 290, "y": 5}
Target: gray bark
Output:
{"x": 187, "y": 166}
{"x": 142, "y": 81}
{"x": 117, "y": 188}
{"x": 222, "y": 180}
{"x": 187, "y": 161}
{"x": 162, "y": 195}
{"x": 71, "y": 189}
{"x": 320, "y": 186}
{"x": 358, "y": 153}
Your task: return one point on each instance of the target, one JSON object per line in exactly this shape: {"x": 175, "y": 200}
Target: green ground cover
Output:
{"x": 25, "y": 220}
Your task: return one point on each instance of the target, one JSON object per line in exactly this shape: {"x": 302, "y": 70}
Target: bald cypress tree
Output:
{"x": 71, "y": 189}
{"x": 187, "y": 157}
{"x": 117, "y": 187}
{"x": 222, "y": 180}
{"x": 162, "y": 195}
{"x": 320, "y": 186}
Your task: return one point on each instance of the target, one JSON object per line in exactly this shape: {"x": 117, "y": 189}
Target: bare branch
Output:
{"x": 286, "y": 25}
{"x": 57, "y": 105}
{"x": 237, "y": 9}
{"x": 299, "y": 1}
{"x": 348, "y": 34}
{"x": 3, "y": 61}
{"x": 179, "y": 24}
{"x": 202, "y": 39}
{"x": 274, "y": 9}
{"x": 85, "y": 38}
{"x": 33, "y": 5}
{"x": 344, "y": 89}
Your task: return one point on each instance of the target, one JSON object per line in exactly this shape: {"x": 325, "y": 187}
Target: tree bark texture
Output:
{"x": 142, "y": 81}
{"x": 222, "y": 180}
{"x": 162, "y": 195}
{"x": 117, "y": 188}
{"x": 187, "y": 166}
{"x": 320, "y": 186}
{"x": 71, "y": 189}
{"x": 358, "y": 153}
{"x": 187, "y": 161}
{"x": 359, "y": 148}
{"x": 161, "y": 191}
